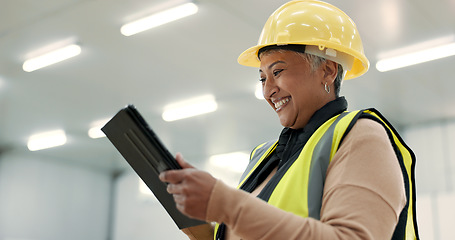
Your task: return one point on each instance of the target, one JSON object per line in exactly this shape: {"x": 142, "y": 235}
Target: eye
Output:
{"x": 277, "y": 71}
{"x": 262, "y": 77}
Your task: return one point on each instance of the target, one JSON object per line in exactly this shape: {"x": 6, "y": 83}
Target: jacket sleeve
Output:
{"x": 200, "y": 232}
{"x": 363, "y": 196}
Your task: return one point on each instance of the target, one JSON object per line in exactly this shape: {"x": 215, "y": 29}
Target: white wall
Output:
{"x": 434, "y": 145}
{"x": 139, "y": 216}
{"x": 50, "y": 200}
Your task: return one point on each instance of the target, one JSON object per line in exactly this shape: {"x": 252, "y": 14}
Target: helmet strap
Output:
{"x": 292, "y": 47}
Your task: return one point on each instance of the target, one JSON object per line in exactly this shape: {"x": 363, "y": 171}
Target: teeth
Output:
{"x": 280, "y": 103}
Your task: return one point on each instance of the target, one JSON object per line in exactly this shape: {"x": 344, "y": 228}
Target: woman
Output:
{"x": 332, "y": 174}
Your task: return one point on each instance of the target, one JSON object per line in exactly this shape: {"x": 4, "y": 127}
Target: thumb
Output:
{"x": 182, "y": 162}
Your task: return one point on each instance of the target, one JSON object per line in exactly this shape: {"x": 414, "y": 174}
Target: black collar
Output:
{"x": 328, "y": 111}
{"x": 292, "y": 140}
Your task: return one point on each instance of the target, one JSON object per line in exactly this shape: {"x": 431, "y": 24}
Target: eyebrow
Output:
{"x": 273, "y": 64}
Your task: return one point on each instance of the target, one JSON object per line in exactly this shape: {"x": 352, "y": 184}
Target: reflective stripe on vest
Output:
{"x": 304, "y": 180}
{"x": 407, "y": 159}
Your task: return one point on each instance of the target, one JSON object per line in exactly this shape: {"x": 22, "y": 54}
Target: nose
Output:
{"x": 269, "y": 88}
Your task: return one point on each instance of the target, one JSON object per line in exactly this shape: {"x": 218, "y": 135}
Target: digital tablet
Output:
{"x": 147, "y": 155}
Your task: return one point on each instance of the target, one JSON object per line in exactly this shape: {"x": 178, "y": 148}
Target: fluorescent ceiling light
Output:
{"x": 2, "y": 82}
{"x": 236, "y": 161}
{"x": 46, "y": 140}
{"x": 159, "y": 18}
{"x": 144, "y": 189}
{"x": 416, "y": 57}
{"x": 50, "y": 58}
{"x": 145, "y": 194}
{"x": 95, "y": 131}
{"x": 190, "y": 108}
{"x": 258, "y": 92}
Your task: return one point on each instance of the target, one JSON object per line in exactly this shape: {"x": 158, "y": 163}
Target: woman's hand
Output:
{"x": 191, "y": 188}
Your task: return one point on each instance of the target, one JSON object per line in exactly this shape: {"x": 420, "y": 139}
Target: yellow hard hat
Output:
{"x": 325, "y": 30}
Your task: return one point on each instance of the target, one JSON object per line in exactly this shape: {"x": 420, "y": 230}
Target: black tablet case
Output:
{"x": 146, "y": 154}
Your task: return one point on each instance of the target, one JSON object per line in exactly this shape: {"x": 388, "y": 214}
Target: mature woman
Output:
{"x": 331, "y": 174}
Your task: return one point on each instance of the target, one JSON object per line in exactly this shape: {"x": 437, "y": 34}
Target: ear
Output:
{"x": 330, "y": 72}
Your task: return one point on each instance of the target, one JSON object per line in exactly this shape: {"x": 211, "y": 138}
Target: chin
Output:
{"x": 286, "y": 124}
{"x": 291, "y": 125}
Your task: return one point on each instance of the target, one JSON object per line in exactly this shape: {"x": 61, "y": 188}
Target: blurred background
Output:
{"x": 79, "y": 187}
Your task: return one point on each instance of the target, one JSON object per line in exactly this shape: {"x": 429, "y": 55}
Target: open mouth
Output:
{"x": 281, "y": 103}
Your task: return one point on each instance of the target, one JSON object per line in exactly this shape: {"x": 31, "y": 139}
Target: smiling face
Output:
{"x": 292, "y": 88}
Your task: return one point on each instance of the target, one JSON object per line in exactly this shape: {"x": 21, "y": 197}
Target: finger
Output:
{"x": 171, "y": 176}
{"x": 179, "y": 199}
{"x": 163, "y": 176}
{"x": 180, "y": 207}
{"x": 175, "y": 189}
{"x": 179, "y": 202}
{"x": 182, "y": 162}
{"x": 171, "y": 188}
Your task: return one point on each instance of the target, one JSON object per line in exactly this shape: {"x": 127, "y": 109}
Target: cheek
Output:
{"x": 271, "y": 104}
{"x": 303, "y": 97}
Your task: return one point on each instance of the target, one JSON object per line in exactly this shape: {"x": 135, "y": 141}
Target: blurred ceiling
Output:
{"x": 190, "y": 57}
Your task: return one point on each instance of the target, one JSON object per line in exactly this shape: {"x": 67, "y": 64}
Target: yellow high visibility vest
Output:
{"x": 300, "y": 189}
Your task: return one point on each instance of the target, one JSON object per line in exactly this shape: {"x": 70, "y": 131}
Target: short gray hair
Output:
{"x": 315, "y": 62}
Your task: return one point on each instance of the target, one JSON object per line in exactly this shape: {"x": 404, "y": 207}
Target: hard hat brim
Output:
{"x": 360, "y": 64}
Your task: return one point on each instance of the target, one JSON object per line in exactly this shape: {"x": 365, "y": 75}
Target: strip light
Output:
{"x": 189, "y": 108}
{"x": 95, "y": 131}
{"x": 417, "y": 57}
{"x": 46, "y": 140}
{"x": 50, "y": 58}
{"x": 144, "y": 189}
{"x": 236, "y": 161}
{"x": 159, "y": 18}
{"x": 145, "y": 194}
{"x": 258, "y": 92}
